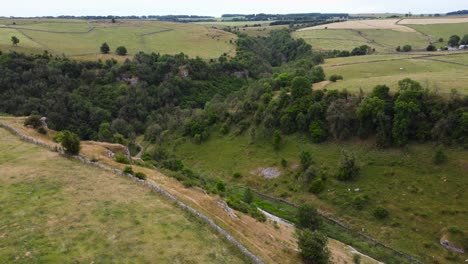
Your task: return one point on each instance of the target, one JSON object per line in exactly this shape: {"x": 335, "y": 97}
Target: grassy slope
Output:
{"x": 432, "y": 74}
{"x": 148, "y": 36}
{"x": 444, "y": 31}
{"x": 56, "y": 210}
{"x": 383, "y": 40}
{"x": 424, "y": 200}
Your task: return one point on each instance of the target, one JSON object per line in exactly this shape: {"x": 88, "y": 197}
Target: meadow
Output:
{"x": 63, "y": 211}
{"x": 387, "y": 69}
{"x": 436, "y": 31}
{"x": 426, "y": 202}
{"x": 82, "y": 39}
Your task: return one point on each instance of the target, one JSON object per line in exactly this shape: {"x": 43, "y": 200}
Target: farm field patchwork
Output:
{"x": 63, "y": 211}
{"x": 436, "y": 31}
{"x": 83, "y": 38}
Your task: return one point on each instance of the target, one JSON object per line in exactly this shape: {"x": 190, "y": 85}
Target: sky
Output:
{"x": 218, "y": 7}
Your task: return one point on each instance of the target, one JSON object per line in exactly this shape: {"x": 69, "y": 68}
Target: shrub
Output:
{"x": 335, "y": 78}
{"x": 70, "y": 142}
{"x": 128, "y": 170}
{"x": 237, "y": 175}
{"x": 348, "y": 169}
{"x": 173, "y": 164}
{"x": 33, "y": 121}
{"x": 306, "y": 159}
{"x": 121, "y": 158}
{"x": 248, "y": 196}
{"x": 313, "y": 247}
{"x": 140, "y": 175}
{"x": 307, "y": 217}
{"x": 439, "y": 157}
{"x": 317, "y": 132}
{"x": 407, "y": 48}
{"x": 220, "y": 186}
{"x": 381, "y": 213}
{"x": 104, "y": 48}
{"x": 359, "y": 202}
{"x": 246, "y": 208}
{"x": 284, "y": 163}
{"x": 276, "y": 140}
{"x": 431, "y": 48}
{"x": 58, "y": 137}
{"x": 224, "y": 129}
{"x": 398, "y": 49}
{"x": 41, "y": 130}
{"x": 317, "y": 186}
{"x": 121, "y": 51}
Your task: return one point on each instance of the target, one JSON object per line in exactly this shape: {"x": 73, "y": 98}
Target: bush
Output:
{"x": 173, "y": 164}
{"x": 121, "y": 51}
{"x": 381, "y": 213}
{"x": 121, "y": 158}
{"x": 104, "y": 48}
{"x": 140, "y": 175}
{"x": 224, "y": 129}
{"x": 246, "y": 208}
{"x": 317, "y": 132}
{"x": 41, "y": 130}
{"x": 348, "y": 169}
{"x": 237, "y": 175}
{"x": 306, "y": 159}
{"x": 284, "y": 163}
{"x": 439, "y": 157}
{"x": 33, "y": 121}
{"x": 313, "y": 247}
{"x": 317, "y": 186}
{"x": 307, "y": 217}
{"x": 359, "y": 202}
{"x": 58, "y": 137}
{"x": 335, "y": 78}
{"x": 220, "y": 186}
{"x": 407, "y": 48}
{"x": 248, "y": 196}
{"x": 431, "y": 48}
{"x": 128, "y": 170}
{"x": 357, "y": 259}
{"x": 70, "y": 142}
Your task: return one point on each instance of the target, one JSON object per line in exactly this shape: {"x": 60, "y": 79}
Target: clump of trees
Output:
{"x": 454, "y": 41}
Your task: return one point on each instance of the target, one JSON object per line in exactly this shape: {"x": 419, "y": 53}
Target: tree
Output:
{"x": 454, "y": 41}
{"x": 348, "y": 170}
{"x": 341, "y": 118}
{"x": 317, "y": 132}
{"x": 398, "y": 49}
{"x": 300, "y": 86}
{"x": 15, "y": 40}
{"x": 105, "y": 48}
{"x": 308, "y": 217}
{"x": 367, "y": 112}
{"x": 70, "y": 142}
{"x": 464, "y": 40}
{"x": 407, "y": 48}
{"x": 313, "y": 247}
{"x": 113, "y": 20}
{"x": 276, "y": 139}
{"x": 34, "y": 121}
{"x": 121, "y": 51}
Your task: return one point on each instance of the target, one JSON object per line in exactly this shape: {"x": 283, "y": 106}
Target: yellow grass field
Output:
{"x": 430, "y": 21}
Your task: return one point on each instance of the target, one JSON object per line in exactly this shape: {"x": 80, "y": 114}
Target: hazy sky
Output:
{"x": 218, "y": 7}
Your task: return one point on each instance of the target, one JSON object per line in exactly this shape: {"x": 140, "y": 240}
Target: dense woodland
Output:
{"x": 265, "y": 89}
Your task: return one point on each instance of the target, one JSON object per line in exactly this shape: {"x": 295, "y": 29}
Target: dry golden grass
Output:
{"x": 56, "y": 210}
{"x": 269, "y": 241}
{"x": 365, "y": 24}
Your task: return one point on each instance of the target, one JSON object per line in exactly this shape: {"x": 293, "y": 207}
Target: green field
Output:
{"x": 383, "y": 40}
{"x": 426, "y": 202}
{"x": 54, "y": 210}
{"x": 436, "y": 31}
{"x": 83, "y": 38}
{"x": 431, "y": 74}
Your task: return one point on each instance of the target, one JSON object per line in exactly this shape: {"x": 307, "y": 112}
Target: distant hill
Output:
{"x": 457, "y": 13}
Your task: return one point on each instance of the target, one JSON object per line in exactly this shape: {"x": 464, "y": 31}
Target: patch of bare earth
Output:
{"x": 269, "y": 173}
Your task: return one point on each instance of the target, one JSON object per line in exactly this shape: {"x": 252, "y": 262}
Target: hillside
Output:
{"x": 82, "y": 38}
{"x": 60, "y": 210}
